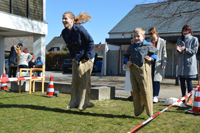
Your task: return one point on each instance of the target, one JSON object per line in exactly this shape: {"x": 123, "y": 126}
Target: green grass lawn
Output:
{"x": 24, "y": 113}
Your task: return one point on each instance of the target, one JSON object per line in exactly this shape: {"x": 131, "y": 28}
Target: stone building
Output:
{"x": 19, "y": 19}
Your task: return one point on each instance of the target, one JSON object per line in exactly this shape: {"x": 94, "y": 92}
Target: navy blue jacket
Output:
{"x": 13, "y": 56}
{"x": 79, "y": 42}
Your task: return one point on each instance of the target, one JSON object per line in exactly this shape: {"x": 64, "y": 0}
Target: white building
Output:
{"x": 20, "y": 19}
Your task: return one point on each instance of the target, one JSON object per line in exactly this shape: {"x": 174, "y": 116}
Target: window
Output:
{"x": 55, "y": 49}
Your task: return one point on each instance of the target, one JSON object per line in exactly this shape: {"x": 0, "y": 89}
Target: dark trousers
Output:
{"x": 183, "y": 85}
{"x": 23, "y": 66}
{"x": 156, "y": 88}
{"x": 12, "y": 70}
{"x": 156, "y": 84}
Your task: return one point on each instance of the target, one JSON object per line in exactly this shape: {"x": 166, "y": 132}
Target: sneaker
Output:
{"x": 183, "y": 105}
{"x": 155, "y": 99}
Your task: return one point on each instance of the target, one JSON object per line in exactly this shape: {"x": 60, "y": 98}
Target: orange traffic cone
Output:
{"x": 4, "y": 84}
{"x": 196, "y": 104}
{"x": 50, "y": 89}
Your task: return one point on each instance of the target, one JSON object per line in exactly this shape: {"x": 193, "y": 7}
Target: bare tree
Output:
{"x": 169, "y": 11}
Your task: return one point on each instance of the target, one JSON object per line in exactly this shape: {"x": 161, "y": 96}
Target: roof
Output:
{"x": 55, "y": 42}
{"x": 98, "y": 47}
{"x": 139, "y": 17}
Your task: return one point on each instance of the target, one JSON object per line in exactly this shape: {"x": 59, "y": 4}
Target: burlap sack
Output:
{"x": 142, "y": 88}
{"x": 81, "y": 85}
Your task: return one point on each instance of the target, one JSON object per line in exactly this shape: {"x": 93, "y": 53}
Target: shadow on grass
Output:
{"x": 121, "y": 98}
{"x": 183, "y": 108}
{"x": 58, "y": 110}
{"x": 178, "y": 109}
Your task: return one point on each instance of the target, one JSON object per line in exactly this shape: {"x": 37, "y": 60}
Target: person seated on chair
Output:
{"x": 32, "y": 62}
{"x": 39, "y": 62}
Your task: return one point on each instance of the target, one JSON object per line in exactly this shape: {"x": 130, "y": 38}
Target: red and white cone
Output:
{"x": 50, "y": 89}
{"x": 196, "y": 104}
{"x": 4, "y": 84}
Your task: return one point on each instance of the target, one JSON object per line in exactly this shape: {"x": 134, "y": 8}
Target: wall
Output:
{"x": 112, "y": 62}
{"x": 10, "y": 41}
{"x": 32, "y": 9}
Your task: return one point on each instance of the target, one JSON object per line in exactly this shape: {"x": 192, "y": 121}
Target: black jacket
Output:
{"x": 13, "y": 56}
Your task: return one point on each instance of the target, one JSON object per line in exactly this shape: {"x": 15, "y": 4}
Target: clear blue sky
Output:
{"x": 105, "y": 15}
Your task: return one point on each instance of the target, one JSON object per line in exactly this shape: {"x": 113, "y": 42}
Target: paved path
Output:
{"x": 168, "y": 87}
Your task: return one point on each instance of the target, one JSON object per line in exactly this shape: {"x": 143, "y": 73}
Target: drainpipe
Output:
{"x": 119, "y": 55}
{"x": 105, "y": 59}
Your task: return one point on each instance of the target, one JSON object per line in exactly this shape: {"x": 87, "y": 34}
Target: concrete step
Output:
{"x": 98, "y": 92}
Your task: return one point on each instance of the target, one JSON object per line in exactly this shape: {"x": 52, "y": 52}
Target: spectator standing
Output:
{"x": 160, "y": 64}
{"x": 186, "y": 50}
{"x": 127, "y": 80}
{"x": 24, "y": 58}
{"x": 13, "y": 59}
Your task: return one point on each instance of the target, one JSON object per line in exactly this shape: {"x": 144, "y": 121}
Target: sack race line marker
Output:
{"x": 20, "y": 78}
{"x": 155, "y": 115}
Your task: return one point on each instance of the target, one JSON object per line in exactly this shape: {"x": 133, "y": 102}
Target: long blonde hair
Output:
{"x": 80, "y": 19}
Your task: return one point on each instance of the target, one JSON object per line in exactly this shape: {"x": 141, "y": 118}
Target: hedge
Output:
{"x": 54, "y": 59}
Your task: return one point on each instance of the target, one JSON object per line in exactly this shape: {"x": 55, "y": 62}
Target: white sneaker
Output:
{"x": 155, "y": 99}
{"x": 183, "y": 105}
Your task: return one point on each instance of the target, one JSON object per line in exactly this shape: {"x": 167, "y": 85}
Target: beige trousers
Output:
{"x": 81, "y": 85}
{"x": 142, "y": 88}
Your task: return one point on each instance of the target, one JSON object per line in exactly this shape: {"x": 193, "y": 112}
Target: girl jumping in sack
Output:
{"x": 81, "y": 48}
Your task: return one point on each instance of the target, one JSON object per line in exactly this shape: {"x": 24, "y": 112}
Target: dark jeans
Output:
{"x": 183, "y": 85}
{"x": 12, "y": 70}
{"x": 23, "y": 66}
{"x": 156, "y": 84}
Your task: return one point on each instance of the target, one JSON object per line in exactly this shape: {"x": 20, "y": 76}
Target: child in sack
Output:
{"x": 142, "y": 53}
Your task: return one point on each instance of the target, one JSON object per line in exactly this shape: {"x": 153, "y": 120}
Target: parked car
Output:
{"x": 97, "y": 66}
{"x": 66, "y": 65}
{"x": 6, "y": 66}
{"x": 95, "y": 69}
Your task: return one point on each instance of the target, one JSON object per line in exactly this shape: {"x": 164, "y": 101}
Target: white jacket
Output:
{"x": 24, "y": 58}
{"x": 161, "y": 59}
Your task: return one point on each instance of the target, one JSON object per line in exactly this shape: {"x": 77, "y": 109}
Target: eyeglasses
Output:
{"x": 150, "y": 33}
